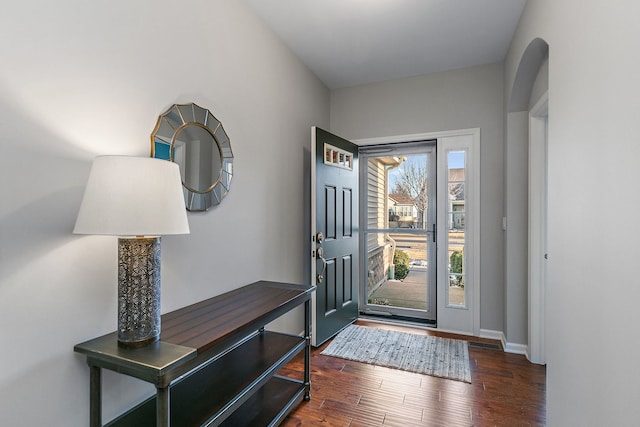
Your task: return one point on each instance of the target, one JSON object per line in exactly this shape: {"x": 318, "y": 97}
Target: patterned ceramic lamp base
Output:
{"x": 138, "y": 291}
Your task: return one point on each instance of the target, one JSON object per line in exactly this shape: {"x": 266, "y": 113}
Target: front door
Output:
{"x": 398, "y": 196}
{"x": 334, "y": 228}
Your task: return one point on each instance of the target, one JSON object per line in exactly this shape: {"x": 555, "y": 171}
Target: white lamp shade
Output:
{"x": 133, "y": 196}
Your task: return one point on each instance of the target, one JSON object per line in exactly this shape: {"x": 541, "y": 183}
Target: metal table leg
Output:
{"x": 95, "y": 397}
{"x": 162, "y": 407}
{"x": 307, "y": 350}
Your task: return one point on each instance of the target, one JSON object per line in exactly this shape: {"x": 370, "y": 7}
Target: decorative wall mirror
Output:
{"x": 192, "y": 137}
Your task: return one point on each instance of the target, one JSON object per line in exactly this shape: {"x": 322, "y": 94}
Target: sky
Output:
{"x": 456, "y": 160}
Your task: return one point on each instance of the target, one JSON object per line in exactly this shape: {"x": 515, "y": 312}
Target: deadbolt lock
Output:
{"x": 319, "y": 237}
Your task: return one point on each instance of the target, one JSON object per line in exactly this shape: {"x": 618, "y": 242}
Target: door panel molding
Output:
{"x": 330, "y": 304}
{"x": 347, "y": 212}
{"x": 330, "y": 212}
{"x": 347, "y": 279}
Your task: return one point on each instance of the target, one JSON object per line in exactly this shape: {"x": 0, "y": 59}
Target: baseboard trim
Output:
{"x": 484, "y": 333}
{"x": 516, "y": 349}
{"x": 492, "y": 335}
{"x": 507, "y": 346}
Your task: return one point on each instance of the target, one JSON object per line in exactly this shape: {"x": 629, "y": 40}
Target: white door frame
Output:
{"x": 538, "y": 123}
{"x": 467, "y": 320}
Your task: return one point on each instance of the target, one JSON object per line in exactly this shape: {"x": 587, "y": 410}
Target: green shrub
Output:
{"x": 400, "y": 257}
{"x": 401, "y": 272}
{"x": 455, "y": 266}
{"x": 456, "y": 262}
{"x": 401, "y": 264}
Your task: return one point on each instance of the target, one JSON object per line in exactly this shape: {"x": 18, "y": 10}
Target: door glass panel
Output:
{"x": 397, "y": 271}
{"x": 398, "y": 235}
{"x": 456, "y": 228}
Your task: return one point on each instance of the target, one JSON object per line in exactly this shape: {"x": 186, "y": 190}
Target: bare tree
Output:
{"x": 413, "y": 183}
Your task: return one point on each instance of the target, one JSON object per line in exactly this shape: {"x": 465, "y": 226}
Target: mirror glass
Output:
{"x": 193, "y": 138}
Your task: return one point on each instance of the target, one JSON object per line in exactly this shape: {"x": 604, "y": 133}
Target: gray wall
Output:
{"x": 540, "y": 84}
{"x": 592, "y": 294}
{"x": 460, "y": 99}
{"x": 79, "y": 79}
{"x": 516, "y": 196}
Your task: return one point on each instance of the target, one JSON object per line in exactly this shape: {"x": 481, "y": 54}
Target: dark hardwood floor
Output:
{"x": 506, "y": 390}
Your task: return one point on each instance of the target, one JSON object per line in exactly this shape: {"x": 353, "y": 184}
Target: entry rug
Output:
{"x": 436, "y": 356}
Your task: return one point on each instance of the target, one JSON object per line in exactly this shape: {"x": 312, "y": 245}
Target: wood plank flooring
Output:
{"x": 506, "y": 390}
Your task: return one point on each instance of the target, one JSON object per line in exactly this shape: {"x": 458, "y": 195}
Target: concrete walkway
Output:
{"x": 408, "y": 293}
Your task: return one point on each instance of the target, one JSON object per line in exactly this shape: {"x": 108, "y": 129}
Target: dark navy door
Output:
{"x": 334, "y": 234}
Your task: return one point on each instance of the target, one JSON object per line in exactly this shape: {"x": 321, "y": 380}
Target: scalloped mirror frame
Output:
{"x": 192, "y": 137}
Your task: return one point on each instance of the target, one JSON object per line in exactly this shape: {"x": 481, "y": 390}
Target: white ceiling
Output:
{"x": 352, "y": 42}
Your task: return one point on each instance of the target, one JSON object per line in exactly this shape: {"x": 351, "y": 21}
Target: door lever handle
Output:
{"x": 320, "y": 254}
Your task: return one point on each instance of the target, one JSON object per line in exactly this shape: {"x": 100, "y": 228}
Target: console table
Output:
{"x": 214, "y": 364}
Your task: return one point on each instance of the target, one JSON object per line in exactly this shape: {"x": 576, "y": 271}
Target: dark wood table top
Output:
{"x": 204, "y": 324}
{"x": 192, "y": 330}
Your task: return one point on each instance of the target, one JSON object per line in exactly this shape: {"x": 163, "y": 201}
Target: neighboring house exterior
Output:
{"x": 456, "y": 199}
{"x": 402, "y": 211}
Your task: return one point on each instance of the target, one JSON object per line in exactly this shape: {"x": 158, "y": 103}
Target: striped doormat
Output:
{"x": 436, "y": 356}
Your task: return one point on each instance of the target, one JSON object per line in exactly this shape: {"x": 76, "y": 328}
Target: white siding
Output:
{"x": 376, "y": 198}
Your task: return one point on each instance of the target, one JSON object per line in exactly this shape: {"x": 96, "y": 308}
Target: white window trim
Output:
{"x": 347, "y": 157}
{"x": 464, "y": 319}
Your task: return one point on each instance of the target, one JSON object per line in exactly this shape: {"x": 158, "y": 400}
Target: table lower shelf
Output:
{"x": 270, "y": 405}
{"x": 239, "y": 387}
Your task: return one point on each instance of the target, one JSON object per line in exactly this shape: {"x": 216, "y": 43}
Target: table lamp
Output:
{"x": 138, "y": 199}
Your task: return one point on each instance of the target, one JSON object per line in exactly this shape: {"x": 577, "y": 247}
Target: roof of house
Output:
{"x": 401, "y": 199}
{"x": 456, "y": 174}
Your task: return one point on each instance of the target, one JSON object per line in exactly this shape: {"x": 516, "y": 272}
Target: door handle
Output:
{"x": 320, "y": 254}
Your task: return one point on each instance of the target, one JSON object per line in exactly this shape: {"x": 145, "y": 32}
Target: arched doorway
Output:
{"x": 525, "y": 196}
